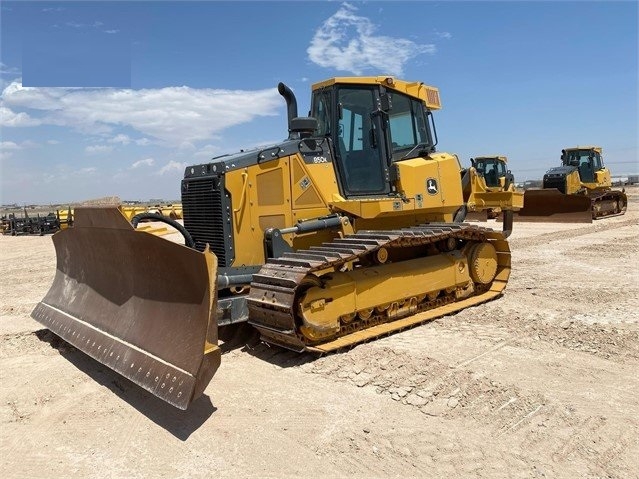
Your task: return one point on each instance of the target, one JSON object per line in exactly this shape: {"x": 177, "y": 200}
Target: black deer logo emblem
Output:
{"x": 431, "y": 186}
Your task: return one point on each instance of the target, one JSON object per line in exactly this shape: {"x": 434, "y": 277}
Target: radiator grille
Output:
{"x": 558, "y": 182}
{"x": 203, "y": 205}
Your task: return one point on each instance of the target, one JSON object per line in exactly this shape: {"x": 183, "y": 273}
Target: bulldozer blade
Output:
{"x": 550, "y": 205}
{"x": 477, "y": 216}
{"x": 142, "y": 305}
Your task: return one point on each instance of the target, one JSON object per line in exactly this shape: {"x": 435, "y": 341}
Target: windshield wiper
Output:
{"x": 420, "y": 148}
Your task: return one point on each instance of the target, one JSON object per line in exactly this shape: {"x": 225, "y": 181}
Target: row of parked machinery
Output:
{"x": 579, "y": 190}
{"x": 41, "y": 224}
{"x": 15, "y": 225}
{"x": 351, "y": 228}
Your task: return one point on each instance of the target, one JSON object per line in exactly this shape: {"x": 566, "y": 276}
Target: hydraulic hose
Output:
{"x": 460, "y": 215}
{"x": 188, "y": 239}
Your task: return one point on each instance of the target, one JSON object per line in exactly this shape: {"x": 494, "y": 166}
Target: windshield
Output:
{"x": 580, "y": 158}
{"x": 407, "y": 122}
{"x": 491, "y": 169}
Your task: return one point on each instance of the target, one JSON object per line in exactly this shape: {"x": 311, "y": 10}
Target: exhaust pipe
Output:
{"x": 291, "y": 105}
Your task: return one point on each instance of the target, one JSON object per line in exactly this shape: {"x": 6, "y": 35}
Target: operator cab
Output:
{"x": 491, "y": 169}
{"x": 371, "y": 127}
{"x": 586, "y": 160}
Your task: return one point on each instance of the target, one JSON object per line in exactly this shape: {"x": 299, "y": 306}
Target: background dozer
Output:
{"x": 577, "y": 191}
{"x": 349, "y": 229}
{"x": 488, "y": 176}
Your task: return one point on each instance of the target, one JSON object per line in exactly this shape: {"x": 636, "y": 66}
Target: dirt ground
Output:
{"x": 542, "y": 382}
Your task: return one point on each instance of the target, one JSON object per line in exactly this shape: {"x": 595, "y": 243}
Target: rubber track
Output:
{"x": 272, "y": 299}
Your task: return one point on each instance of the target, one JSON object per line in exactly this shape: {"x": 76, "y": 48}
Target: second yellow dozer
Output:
{"x": 488, "y": 178}
{"x": 578, "y": 191}
{"x": 349, "y": 229}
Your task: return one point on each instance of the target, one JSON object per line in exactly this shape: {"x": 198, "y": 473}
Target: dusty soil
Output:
{"x": 541, "y": 382}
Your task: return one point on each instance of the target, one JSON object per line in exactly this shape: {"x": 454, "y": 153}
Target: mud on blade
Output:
{"x": 142, "y": 305}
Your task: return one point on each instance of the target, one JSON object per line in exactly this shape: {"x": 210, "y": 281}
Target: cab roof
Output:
{"x": 585, "y": 147}
{"x": 493, "y": 157}
{"x": 428, "y": 94}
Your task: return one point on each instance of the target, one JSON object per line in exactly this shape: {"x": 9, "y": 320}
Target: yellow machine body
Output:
{"x": 349, "y": 229}
{"x": 491, "y": 188}
{"x": 577, "y": 191}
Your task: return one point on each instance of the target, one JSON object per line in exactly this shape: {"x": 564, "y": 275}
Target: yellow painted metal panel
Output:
{"x": 397, "y": 325}
{"x": 366, "y": 288}
{"x": 435, "y": 180}
{"x": 270, "y": 187}
{"x": 251, "y": 217}
{"x": 322, "y": 176}
{"x": 272, "y": 221}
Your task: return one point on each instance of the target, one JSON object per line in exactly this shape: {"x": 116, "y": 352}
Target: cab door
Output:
{"x": 359, "y": 143}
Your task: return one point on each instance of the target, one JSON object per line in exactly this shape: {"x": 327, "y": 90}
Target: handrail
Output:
{"x": 243, "y": 198}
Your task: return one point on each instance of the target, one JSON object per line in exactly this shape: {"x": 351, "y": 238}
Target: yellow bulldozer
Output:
{"x": 579, "y": 190}
{"x": 349, "y": 229}
{"x": 488, "y": 177}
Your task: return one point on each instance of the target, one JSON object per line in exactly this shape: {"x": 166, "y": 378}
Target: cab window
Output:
{"x": 407, "y": 124}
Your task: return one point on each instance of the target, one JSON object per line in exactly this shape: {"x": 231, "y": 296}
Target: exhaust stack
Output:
{"x": 291, "y": 106}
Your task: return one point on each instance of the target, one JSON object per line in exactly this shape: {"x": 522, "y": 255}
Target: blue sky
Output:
{"x": 116, "y": 98}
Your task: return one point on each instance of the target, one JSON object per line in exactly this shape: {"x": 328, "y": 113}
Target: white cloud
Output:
{"x": 9, "y": 145}
{"x": 111, "y": 32}
{"x": 172, "y": 166}
{"x": 8, "y": 148}
{"x": 98, "y": 149}
{"x": 174, "y": 115}
{"x": 123, "y": 139}
{"x": 53, "y": 142}
{"x": 87, "y": 171}
{"x": 445, "y": 35}
{"x": 10, "y": 118}
{"x": 95, "y": 24}
{"x": 207, "y": 151}
{"x": 6, "y": 70}
{"x": 347, "y": 42}
{"x": 145, "y": 162}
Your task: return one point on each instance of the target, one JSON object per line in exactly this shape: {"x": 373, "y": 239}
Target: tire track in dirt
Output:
{"x": 434, "y": 388}
{"x": 610, "y": 341}
{"x": 506, "y": 409}
{"x": 545, "y": 238}
{"x": 545, "y": 427}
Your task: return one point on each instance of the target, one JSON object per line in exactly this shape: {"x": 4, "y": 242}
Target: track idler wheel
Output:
{"x": 482, "y": 262}
{"x": 317, "y": 330}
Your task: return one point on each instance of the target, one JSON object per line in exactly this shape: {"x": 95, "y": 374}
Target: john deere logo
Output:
{"x": 431, "y": 186}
